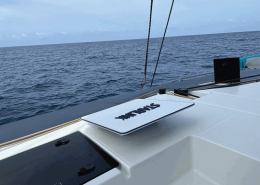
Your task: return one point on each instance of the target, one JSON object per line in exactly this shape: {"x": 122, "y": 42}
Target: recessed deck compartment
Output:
{"x": 73, "y": 159}
{"x": 198, "y": 161}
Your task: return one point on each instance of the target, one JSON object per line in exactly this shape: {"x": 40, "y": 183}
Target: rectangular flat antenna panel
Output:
{"x": 134, "y": 115}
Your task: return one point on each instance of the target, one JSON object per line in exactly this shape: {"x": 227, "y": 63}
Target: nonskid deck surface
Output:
{"x": 223, "y": 124}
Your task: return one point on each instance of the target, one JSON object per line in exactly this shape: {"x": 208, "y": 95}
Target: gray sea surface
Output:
{"x": 38, "y": 79}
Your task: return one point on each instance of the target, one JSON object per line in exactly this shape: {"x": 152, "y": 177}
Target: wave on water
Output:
{"x": 102, "y": 96}
{"x": 207, "y": 66}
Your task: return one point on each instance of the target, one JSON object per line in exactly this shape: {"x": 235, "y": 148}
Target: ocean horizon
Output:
{"x": 43, "y": 78}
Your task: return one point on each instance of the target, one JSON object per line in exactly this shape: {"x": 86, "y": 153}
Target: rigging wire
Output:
{"x": 162, "y": 43}
{"x": 145, "y": 69}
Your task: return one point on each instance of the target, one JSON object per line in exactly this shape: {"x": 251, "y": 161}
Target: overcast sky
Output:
{"x": 33, "y": 22}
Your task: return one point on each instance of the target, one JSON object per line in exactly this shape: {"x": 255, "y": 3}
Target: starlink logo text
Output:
{"x": 138, "y": 111}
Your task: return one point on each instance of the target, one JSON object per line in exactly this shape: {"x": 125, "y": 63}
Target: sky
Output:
{"x": 36, "y": 22}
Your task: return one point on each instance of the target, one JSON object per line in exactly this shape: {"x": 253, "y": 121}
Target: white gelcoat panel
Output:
{"x": 250, "y": 91}
{"x": 150, "y": 140}
{"x": 117, "y": 119}
{"x": 231, "y": 102}
{"x": 239, "y": 132}
{"x": 168, "y": 97}
{"x": 113, "y": 176}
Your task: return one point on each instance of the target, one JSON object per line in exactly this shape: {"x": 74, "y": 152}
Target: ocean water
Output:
{"x": 38, "y": 79}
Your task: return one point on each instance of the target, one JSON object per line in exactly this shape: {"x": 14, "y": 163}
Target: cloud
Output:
{"x": 100, "y": 29}
{"x": 6, "y": 11}
{"x": 42, "y": 34}
{"x": 81, "y": 20}
{"x": 14, "y": 37}
{"x": 231, "y": 20}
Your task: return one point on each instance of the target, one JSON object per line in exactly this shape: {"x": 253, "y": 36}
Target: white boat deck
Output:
{"x": 216, "y": 141}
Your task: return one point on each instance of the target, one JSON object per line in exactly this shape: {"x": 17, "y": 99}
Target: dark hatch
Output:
{"x": 73, "y": 159}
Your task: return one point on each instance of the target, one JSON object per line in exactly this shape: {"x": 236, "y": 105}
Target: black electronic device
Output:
{"x": 227, "y": 70}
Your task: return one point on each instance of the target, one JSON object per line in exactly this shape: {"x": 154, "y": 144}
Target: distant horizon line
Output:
{"x": 126, "y": 39}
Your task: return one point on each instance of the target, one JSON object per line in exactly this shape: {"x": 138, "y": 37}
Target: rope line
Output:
{"x": 145, "y": 69}
{"x": 162, "y": 42}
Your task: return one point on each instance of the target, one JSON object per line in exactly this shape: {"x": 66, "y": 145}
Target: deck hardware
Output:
{"x": 181, "y": 91}
{"x": 62, "y": 142}
{"x": 184, "y": 92}
{"x": 162, "y": 91}
{"x": 85, "y": 170}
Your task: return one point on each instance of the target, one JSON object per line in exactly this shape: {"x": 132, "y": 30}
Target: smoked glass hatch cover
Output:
{"x": 131, "y": 116}
{"x": 73, "y": 159}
